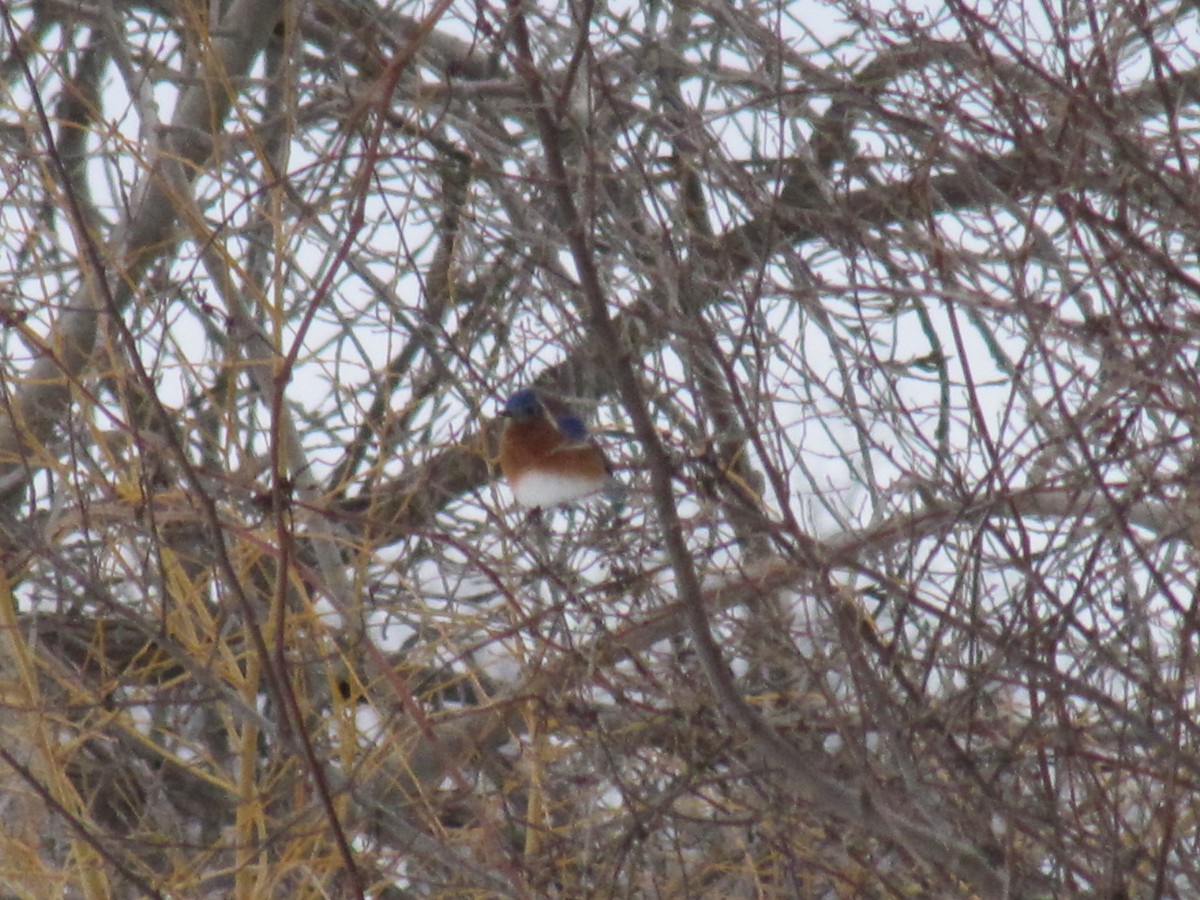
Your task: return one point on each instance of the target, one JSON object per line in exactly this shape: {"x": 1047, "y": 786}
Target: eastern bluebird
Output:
{"x": 548, "y": 459}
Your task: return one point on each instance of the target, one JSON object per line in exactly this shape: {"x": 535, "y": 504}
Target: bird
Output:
{"x": 548, "y": 459}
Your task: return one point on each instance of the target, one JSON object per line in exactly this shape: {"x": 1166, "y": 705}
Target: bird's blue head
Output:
{"x": 524, "y": 405}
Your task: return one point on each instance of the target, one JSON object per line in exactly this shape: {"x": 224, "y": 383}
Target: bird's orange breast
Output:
{"x": 539, "y": 446}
